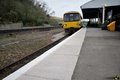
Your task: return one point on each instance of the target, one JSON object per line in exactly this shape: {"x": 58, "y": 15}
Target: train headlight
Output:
{"x": 65, "y": 24}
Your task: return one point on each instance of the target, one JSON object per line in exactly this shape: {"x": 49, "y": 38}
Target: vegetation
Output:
{"x": 29, "y": 12}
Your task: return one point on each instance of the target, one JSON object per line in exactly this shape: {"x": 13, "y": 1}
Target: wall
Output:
{"x": 11, "y": 26}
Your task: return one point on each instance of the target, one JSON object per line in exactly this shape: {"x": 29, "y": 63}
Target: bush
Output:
{"x": 24, "y": 11}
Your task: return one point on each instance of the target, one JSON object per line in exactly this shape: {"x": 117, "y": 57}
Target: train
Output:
{"x": 72, "y": 21}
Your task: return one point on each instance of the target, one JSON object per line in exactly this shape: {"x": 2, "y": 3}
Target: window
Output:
{"x": 71, "y": 17}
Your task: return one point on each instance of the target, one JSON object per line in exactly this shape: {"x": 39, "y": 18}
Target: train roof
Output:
{"x": 71, "y": 12}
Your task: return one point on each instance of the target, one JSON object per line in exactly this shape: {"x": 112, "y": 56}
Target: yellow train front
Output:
{"x": 72, "y": 22}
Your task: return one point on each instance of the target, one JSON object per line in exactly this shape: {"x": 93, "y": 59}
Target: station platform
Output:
{"x": 58, "y": 63}
{"x": 99, "y": 58}
{"x": 88, "y": 54}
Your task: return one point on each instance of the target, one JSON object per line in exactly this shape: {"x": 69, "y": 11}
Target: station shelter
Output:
{"x": 103, "y": 10}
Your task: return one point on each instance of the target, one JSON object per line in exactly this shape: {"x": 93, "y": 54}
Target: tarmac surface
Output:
{"x": 99, "y": 58}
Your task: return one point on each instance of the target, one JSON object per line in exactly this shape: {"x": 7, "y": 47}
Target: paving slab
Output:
{"x": 99, "y": 58}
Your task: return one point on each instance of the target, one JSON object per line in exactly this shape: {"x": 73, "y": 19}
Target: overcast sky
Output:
{"x": 62, "y": 6}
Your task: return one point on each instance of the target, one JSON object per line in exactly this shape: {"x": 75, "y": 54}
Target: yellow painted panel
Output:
{"x": 75, "y": 24}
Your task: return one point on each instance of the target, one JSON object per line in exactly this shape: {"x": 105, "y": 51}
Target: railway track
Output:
{"x": 14, "y": 66}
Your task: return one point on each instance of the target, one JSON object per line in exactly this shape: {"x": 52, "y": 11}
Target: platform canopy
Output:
{"x": 92, "y": 9}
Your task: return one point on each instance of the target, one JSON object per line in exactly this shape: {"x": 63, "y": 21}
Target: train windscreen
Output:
{"x": 71, "y": 17}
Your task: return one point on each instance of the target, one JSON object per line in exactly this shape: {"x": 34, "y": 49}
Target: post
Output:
{"x": 103, "y": 16}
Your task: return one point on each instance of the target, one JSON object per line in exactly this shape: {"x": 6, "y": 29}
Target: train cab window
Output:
{"x": 71, "y": 17}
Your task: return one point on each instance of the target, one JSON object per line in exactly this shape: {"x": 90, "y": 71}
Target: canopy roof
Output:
{"x": 100, "y": 3}
{"x": 92, "y": 9}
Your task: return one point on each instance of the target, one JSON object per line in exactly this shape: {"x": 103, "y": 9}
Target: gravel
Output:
{"x": 18, "y": 45}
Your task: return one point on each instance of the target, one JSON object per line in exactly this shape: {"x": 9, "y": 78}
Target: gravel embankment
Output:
{"x": 16, "y": 46}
